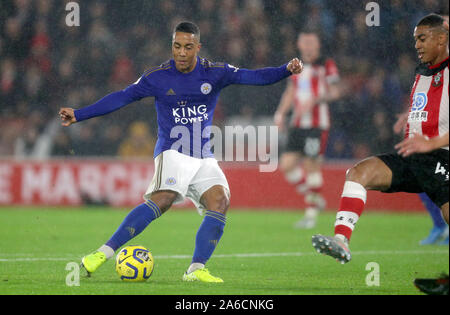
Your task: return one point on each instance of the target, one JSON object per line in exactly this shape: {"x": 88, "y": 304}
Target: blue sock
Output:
{"x": 433, "y": 210}
{"x": 208, "y": 236}
{"x": 134, "y": 223}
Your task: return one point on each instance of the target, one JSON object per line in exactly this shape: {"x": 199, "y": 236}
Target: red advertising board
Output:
{"x": 122, "y": 183}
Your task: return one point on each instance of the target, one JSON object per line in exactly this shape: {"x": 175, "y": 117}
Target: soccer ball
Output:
{"x": 134, "y": 264}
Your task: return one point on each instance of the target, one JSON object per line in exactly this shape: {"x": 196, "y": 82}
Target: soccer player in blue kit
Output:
{"x": 186, "y": 89}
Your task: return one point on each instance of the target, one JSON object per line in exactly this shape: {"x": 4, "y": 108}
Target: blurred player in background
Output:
{"x": 439, "y": 233}
{"x": 186, "y": 89}
{"x": 421, "y": 161}
{"x": 307, "y": 95}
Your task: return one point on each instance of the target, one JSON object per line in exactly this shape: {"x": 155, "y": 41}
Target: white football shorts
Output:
{"x": 188, "y": 176}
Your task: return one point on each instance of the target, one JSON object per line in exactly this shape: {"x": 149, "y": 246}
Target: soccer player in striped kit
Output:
{"x": 421, "y": 161}
{"x": 439, "y": 233}
{"x": 186, "y": 89}
{"x": 307, "y": 95}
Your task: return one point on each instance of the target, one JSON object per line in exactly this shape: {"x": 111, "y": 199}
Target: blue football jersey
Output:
{"x": 185, "y": 102}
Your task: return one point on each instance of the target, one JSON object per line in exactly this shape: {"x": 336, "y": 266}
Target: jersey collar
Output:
{"x": 172, "y": 63}
{"x": 428, "y": 71}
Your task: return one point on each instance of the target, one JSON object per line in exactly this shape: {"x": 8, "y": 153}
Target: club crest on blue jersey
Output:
{"x": 206, "y": 88}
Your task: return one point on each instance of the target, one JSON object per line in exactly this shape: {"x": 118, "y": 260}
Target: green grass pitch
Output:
{"x": 260, "y": 253}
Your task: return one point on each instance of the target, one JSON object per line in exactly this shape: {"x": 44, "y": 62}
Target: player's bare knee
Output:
{"x": 220, "y": 203}
{"x": 356, "y": 174}
{"x": 286, "y": 167}
{"x": 164, "y": 199}
{"x": 371, "y": 173}
{"x": 288, "y": 163}
{"x": 216, "y": 199}
{"x": 163, "y": 204}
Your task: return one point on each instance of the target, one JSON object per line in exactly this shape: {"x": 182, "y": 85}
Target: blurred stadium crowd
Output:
{"x": 45, "y": 65}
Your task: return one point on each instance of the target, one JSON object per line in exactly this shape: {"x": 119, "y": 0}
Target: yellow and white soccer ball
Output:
{"x": 134, "y": 264}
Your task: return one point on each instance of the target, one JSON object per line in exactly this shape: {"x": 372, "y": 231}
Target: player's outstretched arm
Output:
{"x": 263, "y": 76}
{"x": 421, "y": 144}
{"x": 110, "y": 103}
{"x": 107, "y": 104}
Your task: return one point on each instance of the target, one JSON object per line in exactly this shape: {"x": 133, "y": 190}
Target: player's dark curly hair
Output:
{"x": 436, "y": 22}
{"x": 187, "y": 27}
{"x": 432, "y": 20}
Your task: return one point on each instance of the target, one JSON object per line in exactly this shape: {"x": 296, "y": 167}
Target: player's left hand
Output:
{"x": 67, "y": 116}
{"x": 295, "y": 66}
{"x": 416, "y": 144}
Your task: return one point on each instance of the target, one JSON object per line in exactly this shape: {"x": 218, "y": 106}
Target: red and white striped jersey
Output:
{"x": 313, "y": 82}
{"x": 428, "y": 112}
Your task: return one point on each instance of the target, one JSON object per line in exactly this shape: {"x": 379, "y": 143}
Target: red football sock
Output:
{"x": 350, "y": 209}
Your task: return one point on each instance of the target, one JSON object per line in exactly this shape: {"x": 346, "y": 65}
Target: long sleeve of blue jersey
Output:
{"x": 114, "y": 101}
{"x": 264, "y": 76}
